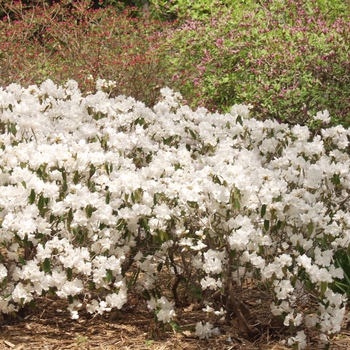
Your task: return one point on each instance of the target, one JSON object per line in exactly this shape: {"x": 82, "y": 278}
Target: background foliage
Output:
{"x": 288, "y": 59}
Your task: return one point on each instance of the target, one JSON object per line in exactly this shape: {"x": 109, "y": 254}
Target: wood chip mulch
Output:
{"x": 49, "y": 326}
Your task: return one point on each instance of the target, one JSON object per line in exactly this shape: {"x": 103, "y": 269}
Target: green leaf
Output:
{"x": 263, "y": 210}
{"x": 64, "y": 178}
{"x": 70, "y": 216}
{"x": 239, "y": 120}
{"x": 175, "y": 327}
{"x": 32, "y": 304}
{"x": 237, "y": 204}
{"x": 69, "y": 273}
{"x": 148, "y": 342}
{"x": 193, "y": 204}
{"x": 308, "y": 285}
{"x": 146, "y": 294}
{"x": 144, "y": 224}
{"x": 193, "y": 134}
{"x": 133, "y": 279}
{"x": 280, "y": 225}
{"x": 22, "y": 261}
{"x": 120, "y": 224}
{"x": 32, "y": 196}
{"x": 109, "y": 276}
{"x": 310, "y": 228}
{"x": 41, "y": 202}
{"x": 336, "y": 179}
{"x": 108, "y": 168}
{"x": 324, "y": 287}
{"x": 216, "y": 179}
{"x": 89, "y": 210}
{"x": 76, "y": 177}
{"x": 162, "y": 236}
{"x": 140, "y": 121}
{"x": 266, "y": 225}
{"x": 13, "y": 129}
{"x": 159, "y": 267}
{"x": 47, "y": 265}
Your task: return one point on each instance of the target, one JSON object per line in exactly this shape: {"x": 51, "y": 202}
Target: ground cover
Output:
{"x": 50, "y": 326}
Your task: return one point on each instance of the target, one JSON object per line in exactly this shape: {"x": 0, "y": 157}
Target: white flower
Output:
{"x": 240, "y": 110}
{"x": 165, "y": 315}
{"x": 165, "y": 309}
{"x": 205, "y": 330}
{"x": 70, "y": 288}
{"x": 118, "y": 299}
{"x": 314, "y": 177}
{"x": 22, "y": 293}
{"x": 299, "y": 339}
{"x": 283, "y": 289}
{"x": 3, "y": 272}
{"x": 211, "y": 283}
{"x": 304, "y": 261}
{"x": 323, "y": 116}
{"x": 213, "y": 261}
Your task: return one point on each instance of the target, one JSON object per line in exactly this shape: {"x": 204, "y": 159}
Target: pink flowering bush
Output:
{"x": 70, "y": 40}
{"x": 100, "y": 195}
{"x": 287, "y": 59}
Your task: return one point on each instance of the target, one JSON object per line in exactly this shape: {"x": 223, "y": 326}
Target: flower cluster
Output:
{"x": 99, "y": 194}
{"x": 164, "y": 309}
{"x": 205, "y": 330}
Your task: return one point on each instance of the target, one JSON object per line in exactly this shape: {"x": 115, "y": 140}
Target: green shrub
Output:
{"x": 189, "y": 9}
{"x": 287, "y": 59}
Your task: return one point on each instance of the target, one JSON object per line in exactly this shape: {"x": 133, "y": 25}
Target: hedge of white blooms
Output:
{"x": 102, "y": 194}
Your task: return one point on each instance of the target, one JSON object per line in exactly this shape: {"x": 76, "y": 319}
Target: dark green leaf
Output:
{"x": 336, "y": 179}
{"x": 32, "y": 196}
{"x": 159, "y": 267}
{"x": 193, "y": 134}
{"x": 41, "y": 202}
{"x": 47, "y": 265}
{"x": 89, "y": 210}
{"x": 76, "y": 177}
{"x": 266, "y": 225}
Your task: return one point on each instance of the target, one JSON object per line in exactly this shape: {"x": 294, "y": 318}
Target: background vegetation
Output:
{"x": 287, "y": 58}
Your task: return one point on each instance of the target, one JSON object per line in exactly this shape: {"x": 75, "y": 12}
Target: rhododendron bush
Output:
{"x": 100, "y": 195}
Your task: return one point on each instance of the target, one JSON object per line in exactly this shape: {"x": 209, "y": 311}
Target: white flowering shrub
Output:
{"x": 99, "y": 194}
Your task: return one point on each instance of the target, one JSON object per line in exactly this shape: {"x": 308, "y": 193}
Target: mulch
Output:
{"x": 49, "y": 326}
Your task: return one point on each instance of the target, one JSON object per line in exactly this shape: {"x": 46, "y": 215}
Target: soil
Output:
{"x": 49, "y": 326}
